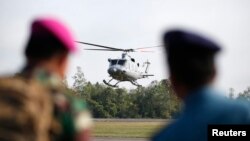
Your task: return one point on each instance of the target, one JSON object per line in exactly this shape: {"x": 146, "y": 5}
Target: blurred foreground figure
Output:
{"x": 191, "y": 62}
{"x": 43, "y": 111}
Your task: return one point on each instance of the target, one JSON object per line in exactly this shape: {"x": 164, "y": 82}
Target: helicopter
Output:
{"x": 124, "y": 68}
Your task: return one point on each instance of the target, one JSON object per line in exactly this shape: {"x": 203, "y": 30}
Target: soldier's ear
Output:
{"x": 180, "y": 88}
{"x": 62, "y": 63}
{"x": 212, "y": 75}
{"x": 62, "y": 58}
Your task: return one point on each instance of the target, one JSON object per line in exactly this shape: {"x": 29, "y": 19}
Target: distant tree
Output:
{"x": 79, "y": 81}
{"x": 231, "y": 93}
{"x": 245, "y": 95}
{"x": 157, "y": 100}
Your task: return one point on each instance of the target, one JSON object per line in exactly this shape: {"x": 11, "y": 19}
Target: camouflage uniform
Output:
{"x": 70, "y": 114}
{"x": 26, "y": 110}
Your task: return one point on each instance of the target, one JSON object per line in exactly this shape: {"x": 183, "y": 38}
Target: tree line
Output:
{"x": 244, "y": 95}
{"x": 157, "y": 100}
{"x": 154, "y": 101}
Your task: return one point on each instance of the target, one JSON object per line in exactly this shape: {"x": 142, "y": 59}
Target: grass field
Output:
{"x": 127, "y": 129}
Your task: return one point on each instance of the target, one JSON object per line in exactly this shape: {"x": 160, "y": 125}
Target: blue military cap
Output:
{"x": 183, "y": 40}
{"x": 190, "y": 57}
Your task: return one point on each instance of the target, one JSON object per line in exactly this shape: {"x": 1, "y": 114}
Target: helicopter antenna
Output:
{"x": 147, "y": 63}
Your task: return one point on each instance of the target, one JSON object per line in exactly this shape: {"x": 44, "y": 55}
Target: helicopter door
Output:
{"x": 132, "y": 66}
{"x": 127, "y": 65}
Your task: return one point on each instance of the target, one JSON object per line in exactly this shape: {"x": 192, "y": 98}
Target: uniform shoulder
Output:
{"x": 22, "y": 86}
{"x": 13, "y": 83}
{"x": 242, "y": 107}
{"x": 78, "y": 103}
{"x": 234, "y": 111}
{"x": 238, "y": 105}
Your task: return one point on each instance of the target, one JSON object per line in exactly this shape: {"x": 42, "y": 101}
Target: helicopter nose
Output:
{"x": 112, "y": 70}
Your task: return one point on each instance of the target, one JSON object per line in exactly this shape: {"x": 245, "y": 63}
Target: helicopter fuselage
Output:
{"x": 122, "y": 73}
{"x": 124, "y": 69}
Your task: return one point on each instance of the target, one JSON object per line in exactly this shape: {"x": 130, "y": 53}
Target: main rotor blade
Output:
{"x": 99, "y": 46}
{"x": 148, "y": 47}
{"x": 101, "y": 49}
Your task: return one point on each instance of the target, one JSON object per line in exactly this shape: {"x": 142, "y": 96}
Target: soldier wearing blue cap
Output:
{"x": 191, "y": 61}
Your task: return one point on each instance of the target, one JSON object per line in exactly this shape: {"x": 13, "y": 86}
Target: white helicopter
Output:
{"x": 124, "y": 68}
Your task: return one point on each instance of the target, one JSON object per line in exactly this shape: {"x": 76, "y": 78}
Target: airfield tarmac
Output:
{"x": 129, "y": 121}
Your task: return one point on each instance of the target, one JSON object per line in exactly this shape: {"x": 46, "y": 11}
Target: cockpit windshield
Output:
{"x": 117, "y": 61}
{"x": 113, "y": 62}
{"x": 121, "y": 62}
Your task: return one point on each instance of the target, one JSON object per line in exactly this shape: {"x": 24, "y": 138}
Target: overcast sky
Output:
{"x": 132, "y": 24}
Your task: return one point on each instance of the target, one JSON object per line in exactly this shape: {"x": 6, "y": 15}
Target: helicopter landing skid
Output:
{"x": 108, "y": 83}
{"x": 135, "y": 83}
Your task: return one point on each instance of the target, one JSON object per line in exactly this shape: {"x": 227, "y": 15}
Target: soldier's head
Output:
{"x": 49, "y": 45}
{"x": 190, "y": 60}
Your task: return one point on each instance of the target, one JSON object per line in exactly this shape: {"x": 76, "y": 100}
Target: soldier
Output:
{"x": 191, "y": 63}
{"x": 47, "y": 53}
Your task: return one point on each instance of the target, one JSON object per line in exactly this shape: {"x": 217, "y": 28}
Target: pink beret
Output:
{"x": 57, "y": 29}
